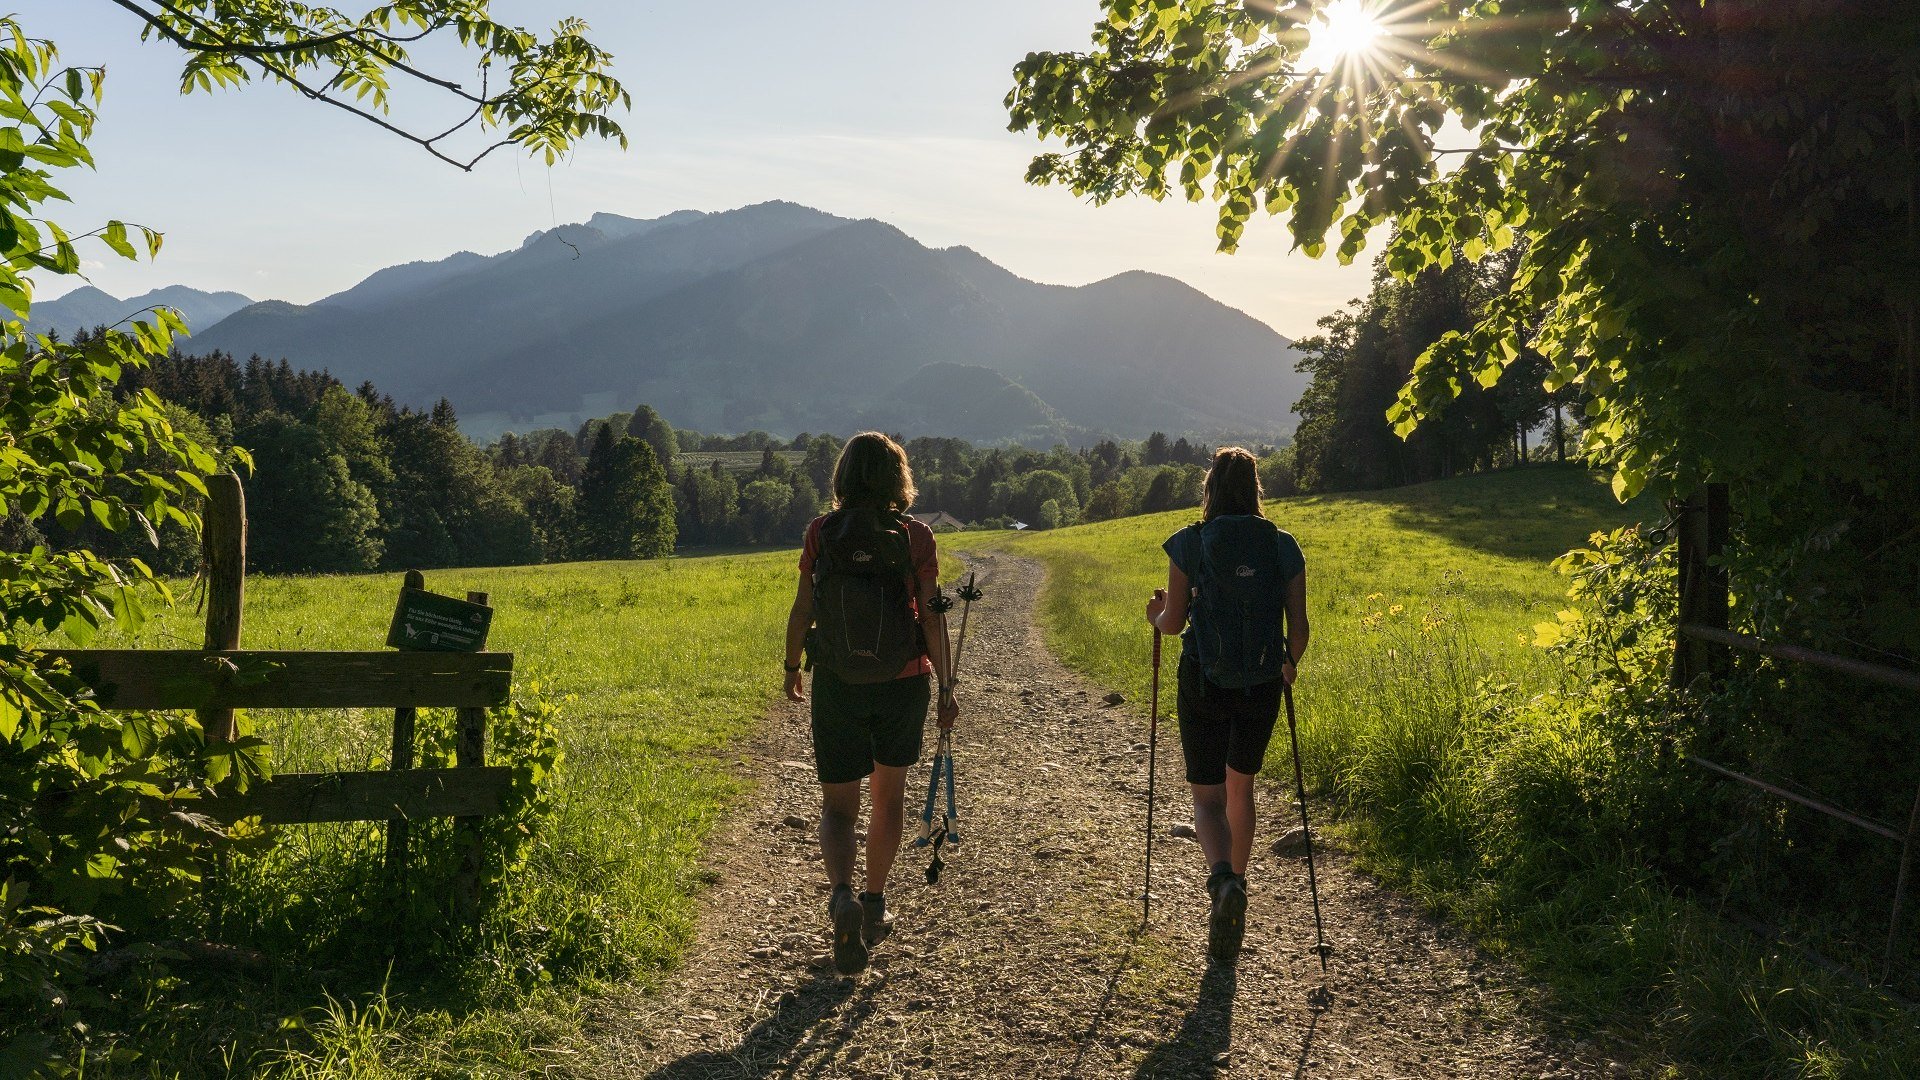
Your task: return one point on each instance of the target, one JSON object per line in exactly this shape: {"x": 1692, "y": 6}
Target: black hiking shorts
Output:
{"x": 1221, "y": 727}
{"x": 859, "y": 725}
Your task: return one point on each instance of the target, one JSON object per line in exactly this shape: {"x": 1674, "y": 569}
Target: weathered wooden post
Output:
{"x": 469, "y": 752}
{"x": 1704, "y": 521}
{"x": 404, "y": 719}
{"x": 223, "y": 541}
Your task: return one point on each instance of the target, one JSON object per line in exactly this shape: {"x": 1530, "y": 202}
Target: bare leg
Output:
{"x": 1210, "y": 821}
{"x": 1239, "y": 811}
{"x": 889, "y": 789}
{"x": 839, "y": 813}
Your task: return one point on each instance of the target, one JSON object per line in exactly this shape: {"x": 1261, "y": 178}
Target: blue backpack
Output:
{"x": 1239, "y": 618}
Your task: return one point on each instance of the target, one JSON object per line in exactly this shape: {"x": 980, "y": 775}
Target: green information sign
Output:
{"x": 429, "y": 622}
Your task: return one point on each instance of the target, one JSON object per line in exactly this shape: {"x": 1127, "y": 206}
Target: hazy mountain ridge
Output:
{"x": 780, "y": 317}
{"x": 87, "y": 307}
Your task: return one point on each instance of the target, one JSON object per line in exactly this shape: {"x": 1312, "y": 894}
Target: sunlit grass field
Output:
{"x": 1413, "y": 595}
{"x": 659, "y": 668}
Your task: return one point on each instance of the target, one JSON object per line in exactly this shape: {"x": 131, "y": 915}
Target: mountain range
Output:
{"x": 781, "y": 317}
{"x": 87, "y": 307}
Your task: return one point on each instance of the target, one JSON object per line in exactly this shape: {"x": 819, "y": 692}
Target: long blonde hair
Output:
{"x": 873, "y": 471}
{"x": 1233, "y": 485}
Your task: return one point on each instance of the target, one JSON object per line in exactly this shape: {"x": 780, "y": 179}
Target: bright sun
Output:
{"x": 1345, "y": 31}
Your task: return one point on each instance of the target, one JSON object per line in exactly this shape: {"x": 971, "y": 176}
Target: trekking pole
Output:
{"x": 1320, "y": 946}
{"x": 940, "y": 604}
{"x": 968, "y": 594}
{"x": 943, "y": 835}
{"x": 933, "y": 789}
{"x": 1153, "y": 748}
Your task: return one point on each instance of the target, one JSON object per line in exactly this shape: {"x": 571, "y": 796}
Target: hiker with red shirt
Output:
{"x": 864, "y": 614}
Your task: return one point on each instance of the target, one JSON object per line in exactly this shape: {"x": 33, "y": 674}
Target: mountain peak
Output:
{"x": 84, "y": 294}
{"x": 617, "y": 227}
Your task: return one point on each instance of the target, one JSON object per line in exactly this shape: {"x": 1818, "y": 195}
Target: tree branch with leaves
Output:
{"x": 556, "y": 90}
{"x": 97, "y": 830}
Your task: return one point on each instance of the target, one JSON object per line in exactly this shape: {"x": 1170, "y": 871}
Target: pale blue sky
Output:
{"x": 865, "y": 108}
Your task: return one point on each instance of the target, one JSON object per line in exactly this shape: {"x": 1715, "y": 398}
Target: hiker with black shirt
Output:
{"x": 865, "y": 615}
{"x": 1243, "y": 583}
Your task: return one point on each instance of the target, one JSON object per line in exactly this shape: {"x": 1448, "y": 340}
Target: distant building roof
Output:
{"x": 938, "y": 519}
{"x": 1016, "y": 524}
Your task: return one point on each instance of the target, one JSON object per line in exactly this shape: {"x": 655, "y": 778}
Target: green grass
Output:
{"x": 1466, "y": 773}
{"x": 659, "y": 665}
{"x": 1464, "y": 562}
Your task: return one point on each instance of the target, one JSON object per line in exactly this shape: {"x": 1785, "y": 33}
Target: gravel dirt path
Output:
{"x": 1028, "y": 959}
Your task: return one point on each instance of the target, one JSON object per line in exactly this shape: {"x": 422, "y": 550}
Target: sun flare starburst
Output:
{"x": 1345, "y": 31}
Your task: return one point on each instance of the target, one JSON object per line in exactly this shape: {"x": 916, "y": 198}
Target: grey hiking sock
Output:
{"x": 878, "y": 920}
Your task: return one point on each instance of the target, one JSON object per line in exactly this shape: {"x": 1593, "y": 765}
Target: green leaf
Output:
{"x": 13, "y": 149}
{"x": 115, "y": 237}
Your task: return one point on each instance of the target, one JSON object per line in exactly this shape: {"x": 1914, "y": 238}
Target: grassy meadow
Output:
{"x": 1440, "y": 582}
{"x": 656, "y": 667}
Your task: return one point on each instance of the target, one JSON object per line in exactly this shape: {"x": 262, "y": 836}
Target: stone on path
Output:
{"x": 1292, "y": 840}
{"x": 1183, "y": 830}
{"x": 1115, "y": 698}
{"x": 795, "y": 821}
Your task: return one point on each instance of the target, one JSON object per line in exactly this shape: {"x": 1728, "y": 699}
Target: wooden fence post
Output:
{"x": 469, "y": 752}
{"x": 401, "y": 757}
{"x": 1704, "y": 519}
{"x": 224, "y": 545}
{"x": 1715, "y": 589}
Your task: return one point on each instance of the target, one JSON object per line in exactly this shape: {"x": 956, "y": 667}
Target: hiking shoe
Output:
{"x": 878, "y": 921}
{"x": 849, "y": 925}
{"x": 1228, "y": 922}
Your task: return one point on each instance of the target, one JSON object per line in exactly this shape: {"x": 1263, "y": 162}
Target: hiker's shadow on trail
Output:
{"x": 1099, "y": 1018}
{"x": 1205, "y": 1035}
{"x": 786, "y": 1043}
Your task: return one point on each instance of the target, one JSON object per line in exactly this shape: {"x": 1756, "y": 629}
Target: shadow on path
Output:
{"x": 1099, "y": 1019}
{"x": 786, "y": 1043}
{"x": 1306, "y": 1042}
{"x": 1205, "y": 1038}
